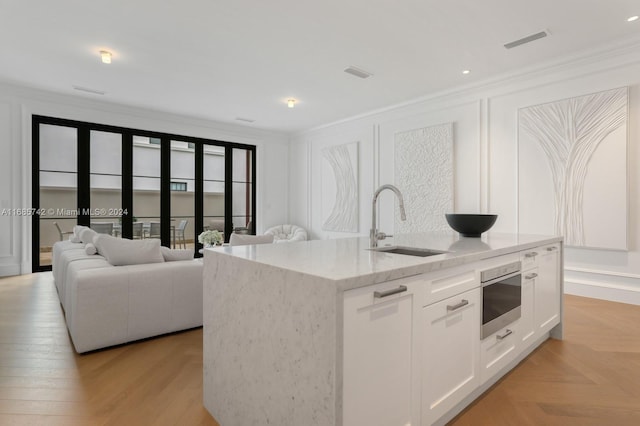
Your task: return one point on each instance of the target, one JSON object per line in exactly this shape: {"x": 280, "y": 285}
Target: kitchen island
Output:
{"x": 328, "y": 332}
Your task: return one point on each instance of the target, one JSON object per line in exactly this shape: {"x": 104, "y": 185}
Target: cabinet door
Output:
{"x": 528, "y": 325}
{"x": 450, "y": 353}
{"x": 548, "y": 289}
{"x": 378, "y": 384}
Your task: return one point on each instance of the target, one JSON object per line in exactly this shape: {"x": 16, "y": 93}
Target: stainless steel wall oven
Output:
{"x": 501, "y": 297}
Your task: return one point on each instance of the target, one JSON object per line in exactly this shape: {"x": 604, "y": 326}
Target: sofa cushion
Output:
{"x": 120, "y": 251}
{"x": 171, "y": 255}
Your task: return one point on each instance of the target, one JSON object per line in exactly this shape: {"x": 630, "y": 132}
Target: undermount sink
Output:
{"x": 408, "y": 251}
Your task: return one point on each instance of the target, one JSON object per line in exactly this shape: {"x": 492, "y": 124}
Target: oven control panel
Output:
{"x": 493, "y": 273}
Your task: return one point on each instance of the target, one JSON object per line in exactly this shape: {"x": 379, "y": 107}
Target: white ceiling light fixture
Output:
{"x": 358, "y": 72}
{"x": 291, "y": 103}
{"x": 632, "y": 18}
{"x": 105, "y": 55}
{"x": 465, "y": 72}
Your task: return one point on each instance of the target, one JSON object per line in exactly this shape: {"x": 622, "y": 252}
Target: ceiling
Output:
{"x": 221, "y": 60}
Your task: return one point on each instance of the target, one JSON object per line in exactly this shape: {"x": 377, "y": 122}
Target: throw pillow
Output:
{"x": 172, "y": 255}
{"x": 87, "y": 234}
{"x": 77, "y": 229}
{"x": 120, "y": 251}
{"x": 90, "y": 249}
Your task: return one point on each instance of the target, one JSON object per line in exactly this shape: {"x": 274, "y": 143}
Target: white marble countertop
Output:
{"x": 350, "y": 262}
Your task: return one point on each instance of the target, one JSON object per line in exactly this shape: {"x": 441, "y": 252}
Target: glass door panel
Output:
{"x": 106, "y": 182}
{"x": 146, "y": 187}
{"x": 182, "y": 195}
{"x": 58, "y": 176}
{"x": 242, "y": 189}
{"x": 213, "y": 188}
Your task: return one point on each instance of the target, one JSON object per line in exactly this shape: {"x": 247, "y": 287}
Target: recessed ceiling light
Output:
{"x": 632, "y": 18}
{"x": 291, "y": 103}
{"x": 105, "y": 56}
{"x": 465, "y": 72}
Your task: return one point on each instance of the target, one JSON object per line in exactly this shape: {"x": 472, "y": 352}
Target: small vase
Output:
{"x": 209, "y": 245}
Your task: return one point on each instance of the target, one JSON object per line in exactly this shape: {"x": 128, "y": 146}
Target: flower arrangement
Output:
{"x": 210, "y": 238}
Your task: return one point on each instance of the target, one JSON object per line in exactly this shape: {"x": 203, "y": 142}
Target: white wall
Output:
{"x": 485, "y": 157}
{"x": 17, "y": 104}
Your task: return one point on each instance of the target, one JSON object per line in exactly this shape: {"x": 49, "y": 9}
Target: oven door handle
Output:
{"x": 502, "y": 278}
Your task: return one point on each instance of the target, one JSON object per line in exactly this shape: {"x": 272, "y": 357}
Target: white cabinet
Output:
{"x": 498, "y": 350}
{"x": 379, "y": 384}
{"x": 547, "y": 289}
{"x": 450, "y": 353}
{"x": 528, "y": 326}
{"x": 412, "y": 350}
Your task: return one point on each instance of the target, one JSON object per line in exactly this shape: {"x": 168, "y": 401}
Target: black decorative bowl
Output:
{"x": 471, "y": 225}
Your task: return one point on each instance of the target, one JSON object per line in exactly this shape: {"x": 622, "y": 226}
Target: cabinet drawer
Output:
{"x": 443, "y": 284}
{"x": 498, "y": 350}
{"x": 379, "y": 293}
{"x": 529, "y": 258}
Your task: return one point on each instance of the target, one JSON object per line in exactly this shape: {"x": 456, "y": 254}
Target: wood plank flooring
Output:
{"x": 590, "y": 378}
{"x": 44, "y": 382}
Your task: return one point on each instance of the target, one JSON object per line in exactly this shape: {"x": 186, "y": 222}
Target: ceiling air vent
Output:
{"x": 358, "y": 72}
{"x": 86, "y": 89}
{"x": 246, "y": 120}
{"x": 527, "y": 39}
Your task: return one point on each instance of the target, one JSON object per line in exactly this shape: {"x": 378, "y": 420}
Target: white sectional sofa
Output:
{"x": 106, "y": 305}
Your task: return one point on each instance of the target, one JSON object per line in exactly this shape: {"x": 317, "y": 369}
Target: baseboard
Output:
{"x": 9, "y": 270}
{"x": 602, "y": 291}
{"x": 605, "y": 285}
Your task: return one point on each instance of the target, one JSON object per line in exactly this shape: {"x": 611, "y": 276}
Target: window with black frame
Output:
{"x": 136, "y": 184}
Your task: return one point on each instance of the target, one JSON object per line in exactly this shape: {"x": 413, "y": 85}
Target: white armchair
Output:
{"x": 287, "y": 233}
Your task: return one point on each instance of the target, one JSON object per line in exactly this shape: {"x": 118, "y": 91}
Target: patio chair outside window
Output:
{"x": 61, "y": 233}
{"x": 137, "y": 230}
{"x": 180, "y": 233}
{"x": 154, "y": 230}
{"x": 103, "y": 227}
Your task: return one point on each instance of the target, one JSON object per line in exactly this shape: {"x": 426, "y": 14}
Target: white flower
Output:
{"x": 210, "y": 237}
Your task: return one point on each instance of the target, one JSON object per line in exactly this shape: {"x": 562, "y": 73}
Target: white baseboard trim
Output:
{"x": 9, "y": 270}
{"x": 605, "y": 291}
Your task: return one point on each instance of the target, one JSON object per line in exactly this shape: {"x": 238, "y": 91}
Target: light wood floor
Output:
{"x": 44, "y": 382}
{"x": 590, "y": 378}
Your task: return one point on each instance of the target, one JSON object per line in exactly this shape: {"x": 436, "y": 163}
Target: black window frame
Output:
{"x": 83, "y": 178}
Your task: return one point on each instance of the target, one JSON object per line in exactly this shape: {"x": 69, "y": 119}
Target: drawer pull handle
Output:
{"x": 530, "y": 276}
{"x": 531, "y": 254}
{"x": 381, "y": 294}
{"x": 457, "y": 306}
{"x": 552, "y": 248}
{"x": 505, "y": 335}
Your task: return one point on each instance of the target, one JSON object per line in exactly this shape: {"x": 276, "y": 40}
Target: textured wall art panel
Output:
{"x": 340, "y": 188}
{"x": 424, "y": 175}
{"x": 572, "y": 166}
